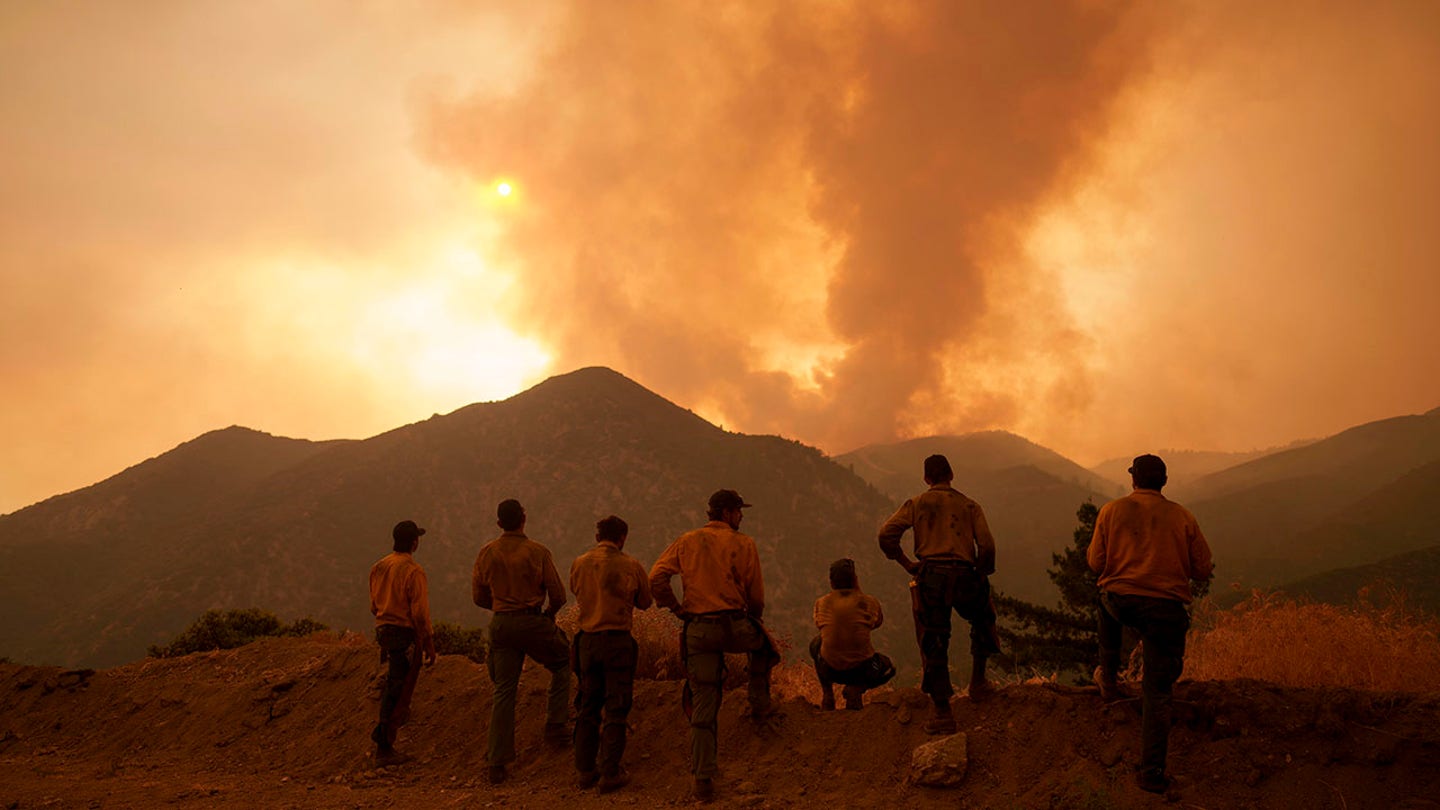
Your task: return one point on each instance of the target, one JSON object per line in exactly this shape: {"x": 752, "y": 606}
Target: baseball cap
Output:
{"x": 727, "y": 499}
{"x": 406, "y": 530}
{"x": 1147, "y": 465}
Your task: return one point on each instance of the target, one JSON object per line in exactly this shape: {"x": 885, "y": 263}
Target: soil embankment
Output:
{"x": 284, "y": 723}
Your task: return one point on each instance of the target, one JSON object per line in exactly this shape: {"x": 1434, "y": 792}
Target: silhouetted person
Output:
{"x": 956, "y": 555}
{"x": 400, "y": 603}
{"x": 719, "y": 569}
{"x": 516, "y": 577}
{"x": 608, "y": 585}
{"x": 842, "y": 652}
{"x": 1146, "y": 550}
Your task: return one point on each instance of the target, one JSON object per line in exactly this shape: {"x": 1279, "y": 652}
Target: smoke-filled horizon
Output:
{"x": 1107, "y": 227}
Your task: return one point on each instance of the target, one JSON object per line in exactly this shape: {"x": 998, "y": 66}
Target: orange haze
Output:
{"x": 1109, "y": 227}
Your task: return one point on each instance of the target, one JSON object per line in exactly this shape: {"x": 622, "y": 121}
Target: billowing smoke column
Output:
{"x": 806, "y": 219}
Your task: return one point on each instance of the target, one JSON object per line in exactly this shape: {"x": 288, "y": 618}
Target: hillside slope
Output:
{"x": 1029, "y": 493}
{"x": 1355, "y": 498}
{"x": 284, "y": 722}
{"x": 1185, "y": 467}
{"x": 98, "y": 581}
{"x": 1415, "y": 575}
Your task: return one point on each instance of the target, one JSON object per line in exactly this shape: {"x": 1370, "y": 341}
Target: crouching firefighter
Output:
{"x": 842, "y": 651}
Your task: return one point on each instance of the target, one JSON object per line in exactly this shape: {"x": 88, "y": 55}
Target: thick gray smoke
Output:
{"x": 798, "y": 218}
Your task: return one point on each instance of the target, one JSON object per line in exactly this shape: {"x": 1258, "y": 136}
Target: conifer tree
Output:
{"x": 1048, "y": 640}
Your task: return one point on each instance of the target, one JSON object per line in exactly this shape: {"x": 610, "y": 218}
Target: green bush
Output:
{"x": 304, "y": 627}
{"x": 227, "y": 629}
{"x": 452, "y": 639}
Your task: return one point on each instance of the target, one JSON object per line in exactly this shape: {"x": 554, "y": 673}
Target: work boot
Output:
{"x": 765, "y": 714}
{"x": 943, "y": 722}
{"x": 557, "y": 735}
{"x": 587, "y": 779}
{"x": 854, "y": 698}
{"x": 704, "y": 789}
{"x": 1152, "y": 780}
{"x": 389, "y": 756}
{"x": 610, "y": 784}
{"x": 1109, "y": 686}
{"x": 496, "y": 774}
{"x": 827, "y": 697}
{"x": 980, "y": 690}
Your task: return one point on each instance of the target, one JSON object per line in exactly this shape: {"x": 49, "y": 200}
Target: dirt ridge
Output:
{"x": 284, "y": 722}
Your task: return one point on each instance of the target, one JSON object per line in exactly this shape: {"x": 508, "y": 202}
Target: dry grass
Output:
{"x": 1383, "y": 647}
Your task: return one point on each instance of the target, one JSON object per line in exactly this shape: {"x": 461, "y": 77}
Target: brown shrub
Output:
{"x": 1383, "y": 647}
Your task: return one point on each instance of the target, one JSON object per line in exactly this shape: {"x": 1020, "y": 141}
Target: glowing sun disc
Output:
{"x": 503, "y": 189}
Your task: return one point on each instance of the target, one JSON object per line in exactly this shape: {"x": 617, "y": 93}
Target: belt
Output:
{"x": 947, "y": 562}
{"x": 530, "y": 611}
{"x": 718, "y": 616}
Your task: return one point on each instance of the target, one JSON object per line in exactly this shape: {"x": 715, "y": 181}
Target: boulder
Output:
{"x": 940, "y": 763}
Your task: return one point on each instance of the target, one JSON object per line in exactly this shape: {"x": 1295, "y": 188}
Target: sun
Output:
{"x": 503, "y": 189}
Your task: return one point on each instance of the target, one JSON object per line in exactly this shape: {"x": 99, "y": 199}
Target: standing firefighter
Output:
{"x": 956, "y": 555}
{"x": 1146, "y": 550}
{"x": 842, "y": 652}
{"x": 608, "y": 585}
{"x": 400, "y": 602}
{"x": 719, "y": 570}
{"x": 516, "y": 578}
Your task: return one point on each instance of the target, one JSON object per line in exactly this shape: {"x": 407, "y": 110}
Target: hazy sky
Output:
{"x": 1109, "y": 228}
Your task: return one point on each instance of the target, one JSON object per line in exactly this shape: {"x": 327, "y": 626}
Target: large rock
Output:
{"x": 940, "y": 763}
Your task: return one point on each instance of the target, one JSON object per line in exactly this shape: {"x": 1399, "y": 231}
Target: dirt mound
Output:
{"x": 285, "y": 722}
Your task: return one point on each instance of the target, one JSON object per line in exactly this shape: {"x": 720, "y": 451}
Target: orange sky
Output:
{"x": 1108, "y": 228}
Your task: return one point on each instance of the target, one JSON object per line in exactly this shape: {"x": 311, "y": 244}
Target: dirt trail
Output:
{"x": 284, "y": 723}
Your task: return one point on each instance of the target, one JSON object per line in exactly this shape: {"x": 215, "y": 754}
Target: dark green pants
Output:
{"x": 867, "y": 675}
{"x": 396, "y": 642}
{"x": 605, "y": 666}
{"x": 942, "y": 586}
{"x": 513, "y": 636}
{"x": 1162, "y": 625}
{"x": 707, "y": 639}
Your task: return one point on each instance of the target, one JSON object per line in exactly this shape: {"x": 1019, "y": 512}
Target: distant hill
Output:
{"x": 1357, "y": 497}
{"x": 1184, "y": 467}
{"x": 1415, "y": 574}
{"x": 238, "y": 518}
{"x": 1029, "y": 493}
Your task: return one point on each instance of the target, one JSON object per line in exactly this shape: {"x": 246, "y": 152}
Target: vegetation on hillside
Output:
{"x": 1035, "y": 638}
{"x": 228, "y": 629}
{"x": 455, "y": 639}
{"x": 1379, "y": 643}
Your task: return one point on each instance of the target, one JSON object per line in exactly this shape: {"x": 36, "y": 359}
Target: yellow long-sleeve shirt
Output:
{"x": 608, "y": 585}
{"x": 1147, "y": 545}
{"x": 400, "y": 595}
{"x": 845, "y": 618}
{"x": 719, "y": 569}
{"x": 515, "y": 573}
{"x": 947, "y": 525}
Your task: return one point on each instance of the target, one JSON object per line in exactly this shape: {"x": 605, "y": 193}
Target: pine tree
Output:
{"x": 1063, "y": 638}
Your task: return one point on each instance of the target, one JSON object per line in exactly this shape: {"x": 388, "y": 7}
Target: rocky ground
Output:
{"x": 284, "y": 723}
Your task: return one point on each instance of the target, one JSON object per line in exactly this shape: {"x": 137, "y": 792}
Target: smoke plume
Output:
{"x": 805, "y": 219}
